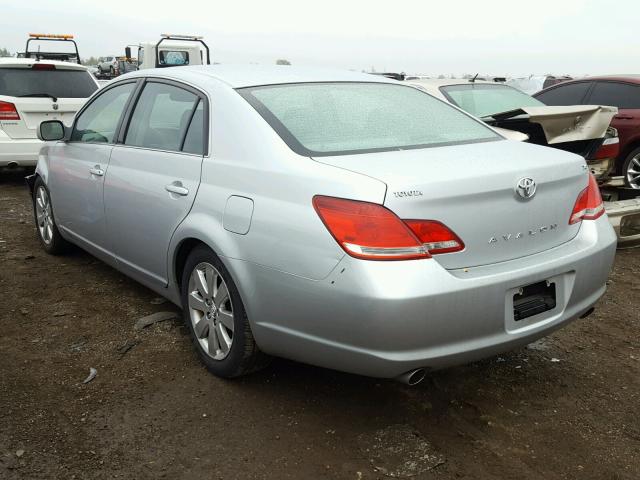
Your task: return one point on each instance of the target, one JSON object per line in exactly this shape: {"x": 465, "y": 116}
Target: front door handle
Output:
{"x": 177, "y": 188}
{"x": 97, "y": 171}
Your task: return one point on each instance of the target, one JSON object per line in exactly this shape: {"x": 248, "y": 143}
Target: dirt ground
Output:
{"x": 565, "y": 407}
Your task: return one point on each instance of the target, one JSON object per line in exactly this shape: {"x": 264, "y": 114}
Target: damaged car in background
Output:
{"x": 581, "y": 129}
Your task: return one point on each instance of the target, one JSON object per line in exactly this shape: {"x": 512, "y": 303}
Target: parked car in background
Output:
{"x": 32, "y": 91}
{"x": 576, "y": 128}
{"x": 334, "y": 218}
{"x": 535, "y": 83}
{"x": 108, "y": 65}
{"x": 622, "y": 91}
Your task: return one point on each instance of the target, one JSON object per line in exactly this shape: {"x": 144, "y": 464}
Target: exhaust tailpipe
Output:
{"x": 12, "y": 164}
{"x": 412, "y": 377}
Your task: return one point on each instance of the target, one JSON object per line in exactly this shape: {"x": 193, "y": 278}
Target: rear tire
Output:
{"x": 48, "y": 234}
{"x": 631, "y": 169}
{"x": 216, "y": 318}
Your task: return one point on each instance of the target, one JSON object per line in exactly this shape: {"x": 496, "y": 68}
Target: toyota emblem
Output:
{"x": 526, "y": 187}
{"x": 54, "y": 106}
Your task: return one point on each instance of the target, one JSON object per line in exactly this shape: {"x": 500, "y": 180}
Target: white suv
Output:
{"x": 32, "y": 91}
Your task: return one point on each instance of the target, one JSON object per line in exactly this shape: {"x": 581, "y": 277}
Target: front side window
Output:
{"x": 320, "y": 119}
{"x": 616, "y": 94}
{"x": 566, "y": 94}
{"x": 161, "y": 117}
{"x": 98, "y": 122}
{"x": 485, "y": 99}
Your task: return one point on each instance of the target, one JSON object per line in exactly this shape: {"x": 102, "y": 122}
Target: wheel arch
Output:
{"x": 631, "y": 145}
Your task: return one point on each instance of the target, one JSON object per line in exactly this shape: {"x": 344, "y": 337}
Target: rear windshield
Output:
{"x": 485, "y": 99}
{"x": 23, "y": 82}
{"x": 320, "y": 119}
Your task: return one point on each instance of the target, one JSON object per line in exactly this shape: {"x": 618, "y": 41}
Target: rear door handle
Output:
{"x": 177, "y": 188}
{"x": 97, "y": 171}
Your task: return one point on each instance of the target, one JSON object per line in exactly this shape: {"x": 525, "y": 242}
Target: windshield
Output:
{"x": 22, "y": 82}
{"x": 320, "y": 119}
{"x": 485, "y": 99}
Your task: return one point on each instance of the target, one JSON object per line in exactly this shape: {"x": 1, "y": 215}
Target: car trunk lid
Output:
{"x": 472, "y": 190}
{"x": 579, "y": 129}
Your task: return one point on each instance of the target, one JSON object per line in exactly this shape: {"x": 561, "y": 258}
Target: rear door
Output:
{"x": 43, "y": 91}
{"x": 153, "y": 176}
{"x": 626, "y": 97}
{"x": 77, "y": 167}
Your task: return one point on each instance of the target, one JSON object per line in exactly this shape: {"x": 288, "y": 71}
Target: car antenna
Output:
{"x": 472, "y": 80}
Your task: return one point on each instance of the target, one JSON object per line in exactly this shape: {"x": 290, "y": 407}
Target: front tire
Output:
{"x": 216, "y": 319}
{"x": 631, "y": 169}
{"x": 48, "y": 234}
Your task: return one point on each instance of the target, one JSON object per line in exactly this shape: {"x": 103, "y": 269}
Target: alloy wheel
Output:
{"x": 633, "y": 172}
{"x": 44, "y": 216}
{"x": 210, "y": 310}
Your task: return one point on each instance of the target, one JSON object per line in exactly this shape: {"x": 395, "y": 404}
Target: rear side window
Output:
{"x": 98, "y": 122}
{"x": 161, "y": 117}
{"x": 320, "y": 119}
{"x": 567, "y": 94}
{"x": 26, "y": 82}
{"x": 194, "y": 141}
{"x": 616, "y": 94}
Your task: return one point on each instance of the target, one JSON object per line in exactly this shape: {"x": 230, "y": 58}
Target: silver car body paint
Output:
{"x": 305, "y": 298}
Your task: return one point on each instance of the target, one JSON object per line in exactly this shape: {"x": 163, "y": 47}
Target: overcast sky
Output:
{"x": 498, "y": 37}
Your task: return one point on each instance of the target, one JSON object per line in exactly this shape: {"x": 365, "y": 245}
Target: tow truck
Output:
{"x": 172, "y": 51}
{"x": 64, "y": 56}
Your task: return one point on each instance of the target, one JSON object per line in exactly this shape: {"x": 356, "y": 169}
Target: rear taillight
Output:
{"x": 368, "y": 230}
{"x": 8, "y": 111}
{"x": 435, "y": 236}
{"x": 589, "y": 204}
{"x": 373, "y": 232}
{"x": 610, "y": 148}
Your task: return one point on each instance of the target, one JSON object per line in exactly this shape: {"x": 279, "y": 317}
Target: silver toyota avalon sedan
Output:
{"x": 334, "y": 218}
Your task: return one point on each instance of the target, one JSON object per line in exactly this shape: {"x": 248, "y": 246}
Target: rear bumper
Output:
{"x": 24, "y": 152}
{"x": 382, "y": 319}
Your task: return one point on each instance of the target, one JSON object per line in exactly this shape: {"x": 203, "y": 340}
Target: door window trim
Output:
{"x": 124, "y": 125}
{"x": 103, "y": 91}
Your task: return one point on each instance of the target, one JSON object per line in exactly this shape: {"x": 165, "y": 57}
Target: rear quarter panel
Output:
{"x": 248, "y": 159}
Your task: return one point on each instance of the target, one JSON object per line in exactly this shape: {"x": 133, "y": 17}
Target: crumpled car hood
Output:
{"x": 567, "y": 123}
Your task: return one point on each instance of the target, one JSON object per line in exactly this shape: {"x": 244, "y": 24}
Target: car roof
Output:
{"x": 240, "y": 76}
{"x": 11, "y": 62}
{"x": 630, "y": 78}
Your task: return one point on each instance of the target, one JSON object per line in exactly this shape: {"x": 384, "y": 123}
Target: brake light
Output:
{"x": 8, "y": 111}
{"x": 610, "y": 148}
{"x": 589, "y": 204}
{"x": 435, "y": 236}
{"x": 368, "y": 230}
{"x": 43, "y": 66}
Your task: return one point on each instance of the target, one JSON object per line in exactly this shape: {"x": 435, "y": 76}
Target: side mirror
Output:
{"x": 127, "y": 52}
{"x": 51, "y": 130}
